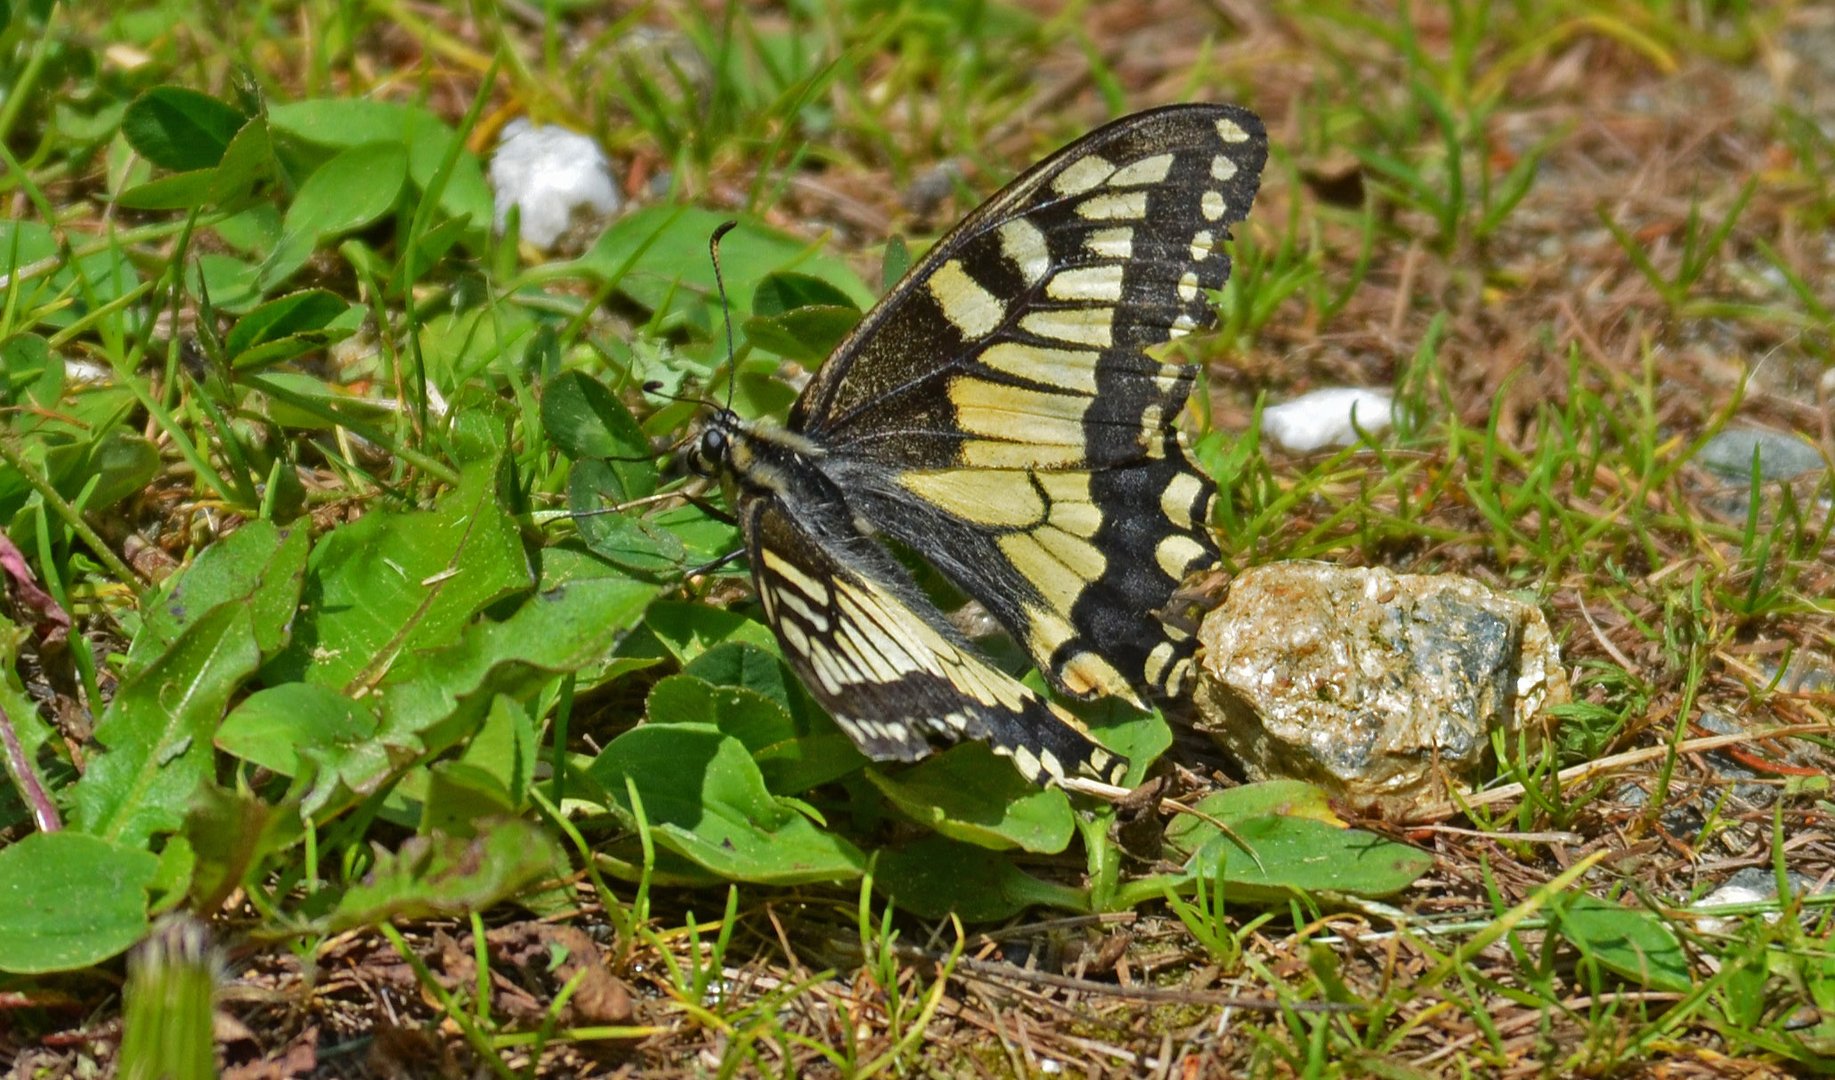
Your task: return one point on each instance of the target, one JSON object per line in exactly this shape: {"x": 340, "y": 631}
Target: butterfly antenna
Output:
{"x": 726, "y": 309}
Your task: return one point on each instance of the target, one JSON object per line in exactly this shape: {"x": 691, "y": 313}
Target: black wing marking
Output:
{"x": 884, "y": 662}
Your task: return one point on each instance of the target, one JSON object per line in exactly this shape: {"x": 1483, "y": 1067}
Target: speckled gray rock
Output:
{"x": 1380, "y": 687}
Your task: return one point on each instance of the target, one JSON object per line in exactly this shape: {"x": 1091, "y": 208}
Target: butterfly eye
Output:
{"x": 709, "y": 452}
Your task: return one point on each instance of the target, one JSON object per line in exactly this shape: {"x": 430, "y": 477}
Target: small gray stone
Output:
{"x": 1781, "y": 457}
{"x": 1380, "y": 687}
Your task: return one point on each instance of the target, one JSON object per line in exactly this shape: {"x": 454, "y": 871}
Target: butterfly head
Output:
{"x": 711, "y": 452}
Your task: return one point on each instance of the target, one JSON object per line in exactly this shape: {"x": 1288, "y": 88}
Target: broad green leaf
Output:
{"x": 281, "y": 397}
{"x": 179, "y": 191}
{"x": 458, "y": 796}
{"x": 259, "y": 566}
{"x": 180, "y": 129}
{"x": 1631, "y": 942}
{"x": 120, "y": 462}
{"x": 705, "y": 799}
{"x": 351, "y": 122}
{"x": 289, "y": 326}
{"x": 389, "y": 583}
{"x": 738, "y": 663}
{"x": 69, "y": 900}
{"x": 435, "y": 697}
{"x": 247, "y": 161}
{"x": 71, "y": 290}
{"x": 284, "y": 728}
{"x": 157, "y": 731}
{"x": 585, "y": 420}
{"x": 971, "y": 794}
{"x": 346, "y": 193}
{"x": 784, "y": 292}
{"x": 648, "y": 246}
{"x": 624, "y": 537}
{"x": 935, "y": 876}
{"x": 553, "y": 633}
{"x": 688, "y": 630}
{"x": 793, "y": 756}
{"x": 446, "y": 876}
{"x": 505, "y": 749}
{"x": 806, "y": 335}
{"x": 1286, "y": 840}
{"x": 29, "y": 371}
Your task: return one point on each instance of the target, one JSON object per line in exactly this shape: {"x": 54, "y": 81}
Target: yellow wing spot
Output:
{"x": 1009, "y": 412}
{"x": 1077, "y": 518}
{"x": 970, "y": 308}
{"x": 1084, "y": 558}
{"x": 1076, "y": 326}
{"x": 1087, "y": 674}
{"x": 1024, "y": 760}
{"x": 1112, "y": 243}
{"x": 1153, "y": 421}
{"x": 1201, "y": 245}
{"x": 1175, "y": 679}
{"x": 1050, "y": 763}
{"x": 1067, "y": 369}
{"x": 793, "y": 636}
{"x": 794, "y": 576}
{"x": 1024, "y": 246}
{"x": 1181, "y": 326}
{"x": 1213, "y": 205}
{"x": 995, "y": 454}
{"x": 1150, "y": 170}
{"x": 861, "y": 655}
{"x": 1087, "y": 283}
{"x": 817, "y": 620}
{"x": 1155, "y": 667}
{"x": 1179, "y": 501}
{"x": 1177, "y": 553}
{"x": 1230, "y": 131}
{"x": 1188, "y": 287}
{"x": 1071, "y": 508}
{"x": 997, "y": 499}
{"x": 892, "y": 642}
{"x": 968, "y": 674}
{"x": 1115, "y": 206}
{"x": 822, "y": 662}
{"x": 1222, "y": 168}
{"x": 1059, "y": 584}
{"x": 1083, "y": 174}
{"x": 1070, "y": 486}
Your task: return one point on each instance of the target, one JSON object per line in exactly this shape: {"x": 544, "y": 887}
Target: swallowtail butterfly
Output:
{"x": 998, "y": 414}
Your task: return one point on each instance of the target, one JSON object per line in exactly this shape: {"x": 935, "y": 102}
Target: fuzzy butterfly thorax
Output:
{"x": 999, "y": 414}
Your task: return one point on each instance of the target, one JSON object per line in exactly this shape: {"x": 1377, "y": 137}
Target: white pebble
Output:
{"x": 554, "y": 175}
{"x": 1326, "y": 418}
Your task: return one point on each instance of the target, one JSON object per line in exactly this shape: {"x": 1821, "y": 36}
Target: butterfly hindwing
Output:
{"x": 886, "y": 665}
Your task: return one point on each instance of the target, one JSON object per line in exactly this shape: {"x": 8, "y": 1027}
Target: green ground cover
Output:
{"x": 317, "y": 627}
